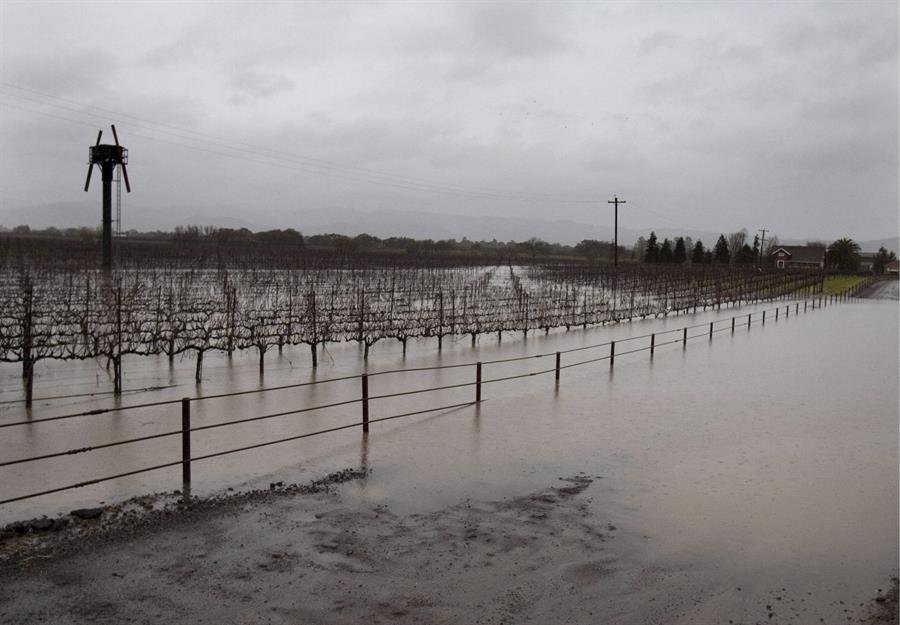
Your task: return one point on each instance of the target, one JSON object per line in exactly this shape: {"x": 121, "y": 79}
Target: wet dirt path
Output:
{"x": 308, "y": 555}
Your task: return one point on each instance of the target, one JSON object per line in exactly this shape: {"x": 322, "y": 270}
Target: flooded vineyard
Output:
{"x": 58, "y": 312}
{"x": 756, "y": 452}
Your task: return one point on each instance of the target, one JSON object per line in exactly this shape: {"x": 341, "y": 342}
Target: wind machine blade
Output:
{"x": 87, "y": 182}
{"x": 125, "y": 176}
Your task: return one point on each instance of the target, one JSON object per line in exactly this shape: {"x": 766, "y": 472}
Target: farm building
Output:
{"x": 892, "y": 267}
{"x": 798, "y": 257}
{"x": 867, "y": 261}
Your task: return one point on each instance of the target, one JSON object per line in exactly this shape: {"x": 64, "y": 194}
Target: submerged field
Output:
{"x": 746, "y": 472}
{"x": 751, "y": 478}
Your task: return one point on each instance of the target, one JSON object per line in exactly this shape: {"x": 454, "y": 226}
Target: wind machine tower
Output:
{"x": 107, "y": 157}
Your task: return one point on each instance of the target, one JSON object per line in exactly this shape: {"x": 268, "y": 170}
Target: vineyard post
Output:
{"x": 652, "y": 344}
{"x": 557, "y": 366}
{"x": 198, "y": 373}
{"x": 365, "y": 402}
{"x": 732, "y": 325}
{"x": 684, "y": 339}
{"x": 27, "y": 339}
{"x": 315, "y": 329}
{"x": 440, "y": 320}
{"x": 87, "y": 307}
{"x": 117, "y": 356}
{"x": 710, "y": 330}
{"x": 478, "y": 381}
{"x": 171, "y": 315}
{"x": 186, "y": 443}
{"x": 612, "y": 353}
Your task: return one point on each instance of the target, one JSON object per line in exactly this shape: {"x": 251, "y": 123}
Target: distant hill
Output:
{"x": 892, "y": 244}
{"x": 382, "y": 223}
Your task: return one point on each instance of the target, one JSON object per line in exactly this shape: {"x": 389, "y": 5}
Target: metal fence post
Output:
{"x": 787, "y": 311}
{"x": 732, "y": 325}
{"x": 684, "y": 339}
{"x": 710, "y": 330}
{"x": 652, "y": 344}
{"x": 776, "y": 313}
{"x": 365, "y": 402}
{"x": 557, "y": 366}
{"x": 764, "y": 318}
{"x": 186, "y": 443}
{"x": 478, "y": 381}
{"x": 612, "y": 353}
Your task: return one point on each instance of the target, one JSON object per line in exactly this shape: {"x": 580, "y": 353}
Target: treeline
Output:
{"x": 731, "y": 250}
{"x": 205, "y": 237}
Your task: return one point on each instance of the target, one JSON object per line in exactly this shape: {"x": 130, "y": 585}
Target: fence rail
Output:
{"x": 709, "y": 330}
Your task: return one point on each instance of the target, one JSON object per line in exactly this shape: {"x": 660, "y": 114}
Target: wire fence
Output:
{"x": 683, "y": 336}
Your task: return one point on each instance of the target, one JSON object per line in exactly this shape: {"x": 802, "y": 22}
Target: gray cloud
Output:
{"x": 253, "y": 86}
{"x": 709, "y": 116}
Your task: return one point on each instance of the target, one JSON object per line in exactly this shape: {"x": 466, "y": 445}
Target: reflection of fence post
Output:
{"x": 557, "y": 366}
{"x": 478, "y": 379}
{"x": 612, "y": 353}
{"x": 186, "y": 443}
{"x": 652, "y": 344}
{"x": 365, "y": 402}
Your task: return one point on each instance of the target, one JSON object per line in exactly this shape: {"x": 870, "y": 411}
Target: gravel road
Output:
{"x": 882, "y": 289}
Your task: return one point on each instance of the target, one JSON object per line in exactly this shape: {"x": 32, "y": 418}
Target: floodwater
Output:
{"x": 766, "y": 458}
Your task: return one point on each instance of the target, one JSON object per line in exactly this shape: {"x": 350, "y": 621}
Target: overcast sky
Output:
{"x": 702, "y": 115}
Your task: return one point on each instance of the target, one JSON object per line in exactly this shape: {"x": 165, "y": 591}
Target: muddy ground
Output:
{"x": 306, "y": 554}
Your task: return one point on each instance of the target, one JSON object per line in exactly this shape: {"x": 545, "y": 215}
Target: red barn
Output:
{"x": 798, "y": 257}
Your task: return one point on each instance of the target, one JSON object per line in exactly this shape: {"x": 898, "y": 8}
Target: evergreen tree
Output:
{"x": 697, "y": 256}
{"x": 708, "y": 257}
{"x": 882, "y": 258}
{"x": 652, "y": 255}
{"x": 680, "y": 254}
{"x": 756, "y": 247}
{"x": 665, "y": 252}
{"x": 720, "y": 252}
{"x": 745, "y": 256}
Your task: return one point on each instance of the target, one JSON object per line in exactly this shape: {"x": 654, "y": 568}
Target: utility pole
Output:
{"x": 616, "y": 201}
{"x": 762, "y": 246}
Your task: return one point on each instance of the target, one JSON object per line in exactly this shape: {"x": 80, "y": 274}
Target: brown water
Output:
{"x": 766, "y": 459}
